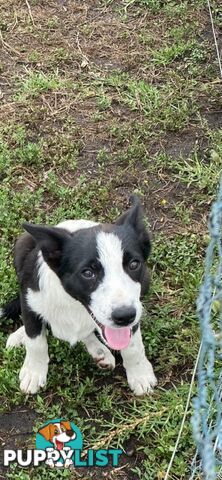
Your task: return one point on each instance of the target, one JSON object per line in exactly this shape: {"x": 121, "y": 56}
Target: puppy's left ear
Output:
{"x": 134, "y": 217}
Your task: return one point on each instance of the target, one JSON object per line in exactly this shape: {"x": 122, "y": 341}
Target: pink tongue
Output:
{"x": 59, "y": 445}
{"x": 117, "y": 338}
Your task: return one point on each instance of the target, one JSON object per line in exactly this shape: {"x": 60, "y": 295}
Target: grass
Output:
{"x": 124, "y": 97}
{"x": 38, "y": 82}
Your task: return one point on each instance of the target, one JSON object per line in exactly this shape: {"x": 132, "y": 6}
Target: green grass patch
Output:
{"x": 37, "y": 83}
{"x": 169, "y": 54}
{"x": 198, "y": 171}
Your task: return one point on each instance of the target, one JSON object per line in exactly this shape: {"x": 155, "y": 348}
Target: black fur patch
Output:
{"x": 33, "y": 322}
{"x": 25, "y": 261}
{"x": 135, "y": 328}
{"x": 133, "y": 249}
{"x": 80, "y": 253}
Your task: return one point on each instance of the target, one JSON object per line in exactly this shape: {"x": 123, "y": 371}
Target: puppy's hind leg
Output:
{"x": 100, "y": 353}
{"x": 16, "y": 338}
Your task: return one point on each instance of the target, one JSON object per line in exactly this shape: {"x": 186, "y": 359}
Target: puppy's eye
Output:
{"x": 134, "y": 264}
{"x": 88, "y": 273}
{"x": 63, "y": 429}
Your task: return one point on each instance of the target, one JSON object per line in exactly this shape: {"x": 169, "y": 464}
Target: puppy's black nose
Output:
{"x": 69, "y": 433}
{"x": 123, "y": 316}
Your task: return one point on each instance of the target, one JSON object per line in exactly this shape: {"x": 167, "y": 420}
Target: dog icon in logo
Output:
{"x": 58, "y": 438}
{"x": 58, "y": 434}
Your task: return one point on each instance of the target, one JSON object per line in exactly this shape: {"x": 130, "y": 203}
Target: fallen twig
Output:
{"x": 30, "y": 12}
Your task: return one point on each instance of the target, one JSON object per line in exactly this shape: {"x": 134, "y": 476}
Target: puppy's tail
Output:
{"x": 11, "y": 310}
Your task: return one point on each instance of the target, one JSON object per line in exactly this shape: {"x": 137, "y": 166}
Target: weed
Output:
{"x": 34, "y": 56}
{"x": 152, "y": 5}
{"x": 170, "y": 53}
{"x": 103, "y": 102}
{"x": 53, "y": 22}
{"x": 203, "y": 173}
{"x": 37, "y": 83}
{"x": 61, "y": 54}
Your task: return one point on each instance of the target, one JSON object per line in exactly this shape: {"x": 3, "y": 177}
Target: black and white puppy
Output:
{"x": 80, "y": 277}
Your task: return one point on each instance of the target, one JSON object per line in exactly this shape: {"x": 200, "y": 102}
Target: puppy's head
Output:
{"x": 104, "y": 267}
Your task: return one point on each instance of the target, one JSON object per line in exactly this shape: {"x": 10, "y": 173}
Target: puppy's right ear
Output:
{"x": 135, "y": 218}
{"x": 50, "y": 240}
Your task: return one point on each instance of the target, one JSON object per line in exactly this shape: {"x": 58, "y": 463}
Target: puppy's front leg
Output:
{"x": 100, "y": 353}
{"x": 34, "y": 371}
{"x": 139, "y": 370}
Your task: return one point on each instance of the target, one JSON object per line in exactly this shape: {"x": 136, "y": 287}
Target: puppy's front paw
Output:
{"x": 105, "y": 359}
{"x": 141, "y": 378}
{"x": 31, "y": 380}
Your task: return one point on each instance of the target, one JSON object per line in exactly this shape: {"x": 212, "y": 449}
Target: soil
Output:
{"x": 16, "y": 431}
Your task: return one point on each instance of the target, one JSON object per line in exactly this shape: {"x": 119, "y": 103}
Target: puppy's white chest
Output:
{"x": 71, "y": 325}
{"x": 68, "y": 319}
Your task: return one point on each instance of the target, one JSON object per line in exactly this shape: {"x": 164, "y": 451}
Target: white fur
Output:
{"x": 117, "y": 288}
{"x": 100, "y": 353}
{"x": 16, "y": 338}
{"x": 74, "y": 225}
{"x": 139, "y": 370}
{"x": 33, "y": 373}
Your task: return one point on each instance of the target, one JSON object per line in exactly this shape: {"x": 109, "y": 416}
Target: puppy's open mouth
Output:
{"x": 59, "y": 445}
{"x": 117, "y": 338}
